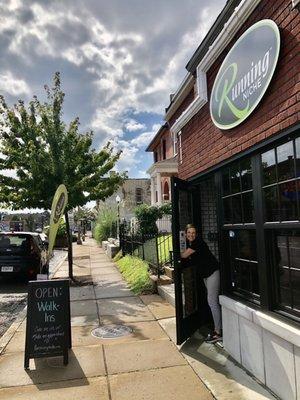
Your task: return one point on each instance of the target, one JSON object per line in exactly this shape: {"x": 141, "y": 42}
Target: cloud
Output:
{"x": 145, "y": 138}
{"x": 12, "y": 85}
{"x": 132, "y": 125}
{"x": 118, "y": 60}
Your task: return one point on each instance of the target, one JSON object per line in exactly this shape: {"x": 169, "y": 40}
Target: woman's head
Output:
{"x": 190, "y": 232}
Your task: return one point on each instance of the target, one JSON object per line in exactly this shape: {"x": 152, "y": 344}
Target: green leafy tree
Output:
{"x": 44, "y": 152}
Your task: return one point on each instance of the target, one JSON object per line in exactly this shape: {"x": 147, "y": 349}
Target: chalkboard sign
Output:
{"x": 48, "y": 329}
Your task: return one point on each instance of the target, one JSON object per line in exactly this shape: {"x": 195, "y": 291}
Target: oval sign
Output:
{"x": 245, "y": 75}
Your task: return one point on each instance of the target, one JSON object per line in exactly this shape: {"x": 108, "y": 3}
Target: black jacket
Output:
{"x": 203, "y": 258}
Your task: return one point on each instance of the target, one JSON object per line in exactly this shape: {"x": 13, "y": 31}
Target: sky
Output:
{"x": 119, "y": 61}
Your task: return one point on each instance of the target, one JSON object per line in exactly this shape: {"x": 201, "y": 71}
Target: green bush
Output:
{"x": 107, "y": 217}
{"x": 61, "y": 231}
{"x": 148, "y": 215}
{"x": 135, "y": 272}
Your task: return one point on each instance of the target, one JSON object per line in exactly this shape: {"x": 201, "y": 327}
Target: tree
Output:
{"x": 43, "y": 152}
{"x": 148, "y": 215}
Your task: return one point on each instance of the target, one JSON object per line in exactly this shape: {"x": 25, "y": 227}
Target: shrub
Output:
{"x": 147, "y": 217}
{"x": 61, "y": 231}
{"x": 135, "y": 272}
{"x": 107, "y": 218}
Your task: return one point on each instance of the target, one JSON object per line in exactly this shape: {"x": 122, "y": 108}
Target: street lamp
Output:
{"x": 118, "y": 199}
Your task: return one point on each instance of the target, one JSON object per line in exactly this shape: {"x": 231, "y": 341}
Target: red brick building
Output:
{"x": 237, "y": 116}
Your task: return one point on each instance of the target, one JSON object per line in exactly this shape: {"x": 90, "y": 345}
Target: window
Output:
{"x": 261, "y": 227}
{"x": 166, "y": 195}
{"x": 243, "y": 262}
{"x": 155, "y": 156}
{"x": 281, "y": 183}
{"x": 285, "y": 261}
{"x": 138, "y": 196}
{"x": 164, "y": 149}
{"x": 177, "y": 146}
{"x": 237, "y": 193}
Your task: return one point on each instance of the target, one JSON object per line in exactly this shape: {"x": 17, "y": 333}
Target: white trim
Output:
{"x": 180, "y": 94}
{"x": 235, "y": 22}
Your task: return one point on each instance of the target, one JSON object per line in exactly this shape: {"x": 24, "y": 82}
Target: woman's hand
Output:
{"x": 187, "y": 253}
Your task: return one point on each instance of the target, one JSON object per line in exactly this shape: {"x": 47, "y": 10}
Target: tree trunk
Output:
{"x": 70, "y": 248}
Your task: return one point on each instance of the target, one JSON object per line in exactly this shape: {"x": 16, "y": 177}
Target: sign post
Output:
{"x": 48, "y": 326}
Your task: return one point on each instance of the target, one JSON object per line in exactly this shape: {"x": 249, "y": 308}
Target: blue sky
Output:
{"x": 119, "y": 60}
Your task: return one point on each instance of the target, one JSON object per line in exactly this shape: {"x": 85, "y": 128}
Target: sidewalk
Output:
{"x": 145, "y": 364}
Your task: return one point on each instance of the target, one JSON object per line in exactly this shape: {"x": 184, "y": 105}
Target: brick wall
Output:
{"x": 166, "y": 135}
{"x": 204, "y": 145}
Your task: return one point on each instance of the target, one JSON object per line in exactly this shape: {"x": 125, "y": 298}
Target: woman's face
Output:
{"x": 191, "y": 234}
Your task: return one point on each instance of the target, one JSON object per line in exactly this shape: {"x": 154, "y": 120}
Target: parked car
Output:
{"x": 22, "y": 254}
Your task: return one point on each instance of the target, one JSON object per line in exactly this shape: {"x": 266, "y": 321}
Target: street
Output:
{"x": 13, "y": 294}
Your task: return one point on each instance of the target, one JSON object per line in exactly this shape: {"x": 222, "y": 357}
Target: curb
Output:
{"x": 51, "y": 275}
{"x": 8, "y": 335}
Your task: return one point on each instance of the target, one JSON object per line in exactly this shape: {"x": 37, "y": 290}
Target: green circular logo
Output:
{"x": 245, "y": 75}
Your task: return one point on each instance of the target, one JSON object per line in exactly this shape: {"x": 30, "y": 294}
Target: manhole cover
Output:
{"x": 111, "y": 331}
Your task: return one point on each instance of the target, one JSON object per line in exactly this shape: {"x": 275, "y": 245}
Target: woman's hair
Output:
{"x": 189, "y": 226}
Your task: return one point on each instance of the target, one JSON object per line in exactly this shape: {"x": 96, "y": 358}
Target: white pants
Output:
{"x": 212, "y": 284}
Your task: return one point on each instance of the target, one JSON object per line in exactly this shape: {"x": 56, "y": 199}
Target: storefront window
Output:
{"x": 238, "y": 193}
{"x": 265, "y": 271}
{"x": 280, "y": 183}
{"x": 243, "y": 262}
{"x": 286, "y": 263}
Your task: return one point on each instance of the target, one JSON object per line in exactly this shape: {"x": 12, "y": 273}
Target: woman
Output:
{"x": 198, "y": 253}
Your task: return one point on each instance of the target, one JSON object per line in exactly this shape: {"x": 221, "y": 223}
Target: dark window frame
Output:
{"x": 138, "y": 196}
{"x": 268, "y": 295}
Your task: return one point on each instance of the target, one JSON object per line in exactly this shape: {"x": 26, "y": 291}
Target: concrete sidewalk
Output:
{"x": 145, "y": 364}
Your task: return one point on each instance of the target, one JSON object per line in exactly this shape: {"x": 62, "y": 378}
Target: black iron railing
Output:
{"x": 155, "y": 249}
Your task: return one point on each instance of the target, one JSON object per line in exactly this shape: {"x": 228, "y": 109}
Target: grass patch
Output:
{"x": 135, "y": 272}
{"x": 165, "y": 245}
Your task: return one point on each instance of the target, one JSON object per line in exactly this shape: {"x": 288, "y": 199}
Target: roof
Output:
{"x": 157, "y": 136}
{"x": 212, "y": 34}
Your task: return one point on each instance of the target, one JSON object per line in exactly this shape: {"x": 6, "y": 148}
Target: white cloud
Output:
{"x": 116, "y": 59}
{"x": 132, "y": 125}
{"x": 12, "y": 85}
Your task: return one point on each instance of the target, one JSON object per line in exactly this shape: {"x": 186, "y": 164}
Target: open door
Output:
{"x": 190, "y": 294}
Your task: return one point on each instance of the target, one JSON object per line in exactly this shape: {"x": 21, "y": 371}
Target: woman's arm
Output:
{"x": 186, "y": 253}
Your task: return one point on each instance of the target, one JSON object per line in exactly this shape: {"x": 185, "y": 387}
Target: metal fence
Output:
{"x": 156, "y": 249}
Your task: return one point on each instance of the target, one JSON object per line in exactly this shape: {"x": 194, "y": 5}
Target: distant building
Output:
{"x": 165, "y": 148}
{"x": 132, "y": 193}
{"x": 23, "y": 221}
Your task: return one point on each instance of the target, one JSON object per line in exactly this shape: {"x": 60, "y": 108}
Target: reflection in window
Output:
{"x": 237, "y": 209}
{"x": 243, "y": 261}
{"x": 285, "y": 161}
{"x": 269, "y": 167}
{"x": 246, "y": 174}
{"x": 288, "y": 201}
{"x": 286, "y": 260}
{"x": 248, "y": 207}
{"x": 271, "y": 204}
{"x": 235, "y": 178}
{"x": 238, "y": 193}
{"x": 281, "y": 196}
